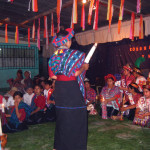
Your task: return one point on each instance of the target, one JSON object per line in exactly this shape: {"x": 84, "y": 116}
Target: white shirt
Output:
{"x": 10, "y": 101}
{"x": 46, "y": 93}
{"x": 140, "y": 81}
{"x": 28, "y": 98}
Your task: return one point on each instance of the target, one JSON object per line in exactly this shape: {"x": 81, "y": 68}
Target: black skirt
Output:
{"x": 71, "y": 117}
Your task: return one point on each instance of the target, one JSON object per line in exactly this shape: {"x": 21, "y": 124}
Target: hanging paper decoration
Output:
{"x": 90, "y": 11}
{"x": 132, "y": 26}
{"x": 17, "y": 35}
{"x": 6, "y": 34}
{"x": 45, "y": 26}
{"x": 138, "y": 7}
{"x": 34, "y": 6}
{"x": 33, "y": 31}
{"x": 28, "y": 37}
{"x": 52, "y": 25}
{"x": 120, "y": 15}
{"x": 95, "y": 25}
{"x": 75, "y": 12}
{"x": 83, "y": 18}
{"x": 58, "y": 11}
{"x": 38, "y": 35}
{"x": 46, "y": 31}
{"x": 72, "y": 24}
{"x": 110, "y": 12}
{"x": 141, "y": 34}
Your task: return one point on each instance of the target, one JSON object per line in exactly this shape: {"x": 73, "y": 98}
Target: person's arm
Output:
{"x": 123, "y": 88}
{"x": 129, "y": 107}
{"x": 84, "y": 67}
{"x": 137, "y": 112}
{"x": 17, "y": 110}
{"x": 146, "y": 114}
{"x": 35, "y": 111}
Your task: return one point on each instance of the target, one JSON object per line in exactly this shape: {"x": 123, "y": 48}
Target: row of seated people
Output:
{"x": 34, "y": 107}
{"x": 130, "y": 98}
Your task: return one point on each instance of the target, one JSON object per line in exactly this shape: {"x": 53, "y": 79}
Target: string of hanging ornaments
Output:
{"x": 93, "y": 6}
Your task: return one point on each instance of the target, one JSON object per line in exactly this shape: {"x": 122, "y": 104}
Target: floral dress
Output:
{"x": 144, "y": 106}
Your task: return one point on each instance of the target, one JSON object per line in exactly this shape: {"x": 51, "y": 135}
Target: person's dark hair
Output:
{"x": 18, "y": 93}
{"x": 147, "y": 86}
{"x": 28, "y": 88}
{"x": 49, "y": 82}
{"x": 135, "y": 89}
{"x": 111, "y": 78}
{"x": 40, "y": 86}
{"x": 62, "y": 33}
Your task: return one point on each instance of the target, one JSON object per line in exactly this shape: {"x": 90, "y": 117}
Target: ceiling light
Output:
{"x": 84, "y": 1}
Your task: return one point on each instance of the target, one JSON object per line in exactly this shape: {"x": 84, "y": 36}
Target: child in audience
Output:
{"x": 37, "y": 106}
{"x": 50, "y": 103}
{"x": 133, "y": 97}
{"x": 10, "y": 102}
{"x": 28, "y": 96}
{"x": 19, "y": 115}
{"x": 142, "y": 114}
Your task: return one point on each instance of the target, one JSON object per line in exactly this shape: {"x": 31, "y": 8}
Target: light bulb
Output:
{"x": 84, "y": 1}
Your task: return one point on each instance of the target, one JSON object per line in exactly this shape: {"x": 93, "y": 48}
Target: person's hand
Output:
{"x": 123, "y": 109}
{"x": 16, "y": 104}
{"x": 85, "y": 67}
{"x": 105, "y": 102}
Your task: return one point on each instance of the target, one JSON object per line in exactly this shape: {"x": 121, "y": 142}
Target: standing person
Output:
{"x": 126, "y": 79}
{"x": 68, "y": 68}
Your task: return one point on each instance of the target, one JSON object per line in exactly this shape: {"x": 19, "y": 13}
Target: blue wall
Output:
{"x": 10, "y": 72}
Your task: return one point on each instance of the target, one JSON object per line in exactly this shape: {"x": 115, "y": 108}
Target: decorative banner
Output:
{"x": 38, "y": 35}
{"x": 72, "y": 24}
{"x": 132, "y": 26}
{"x": 138, "y": 7}
{"x": 17, "y": 35}
{"x": 34, "y": 6}
{"x": 58, "y": 11}
{"x": 52, "y": 25}
{"x": 45, "y": 26}
{"x": 28, "y": 37}
{"x": 90, "y": 11}
{"x": 83, "y": 17}
{"x": 141, "y": 34}
{"x": 119, "y": 26}
{"x": 120, "y": 15}
{"x": 33, "y": 31}
{"x": 75, "y": 12}
{"x": 95, "y": 25}
{"x": 6, "y": 34}
{"x": 121, "y": 10}
{"x": 110, "y": 9}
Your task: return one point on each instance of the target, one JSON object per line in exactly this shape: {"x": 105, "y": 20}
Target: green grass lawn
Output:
{"x": 103, "y": 135}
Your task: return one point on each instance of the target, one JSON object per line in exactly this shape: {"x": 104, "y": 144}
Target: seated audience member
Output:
{"x": 142, "y": 113}
{"x": 140, "y": 79}
{"x": 27, "y": 98}
{"x": 42, "y": 82}
{"x": 90, "y": 97}
{"x": 10, "y": 101}
{"x": 50, "y": 103}
{"x": 126, "y": 79}
{"x": 133, "y": 97}
{"x": 27, "y": 81}
{"x": 19, "y": 115}
{"x": 110, "y": 98}
{"x": 37, "y": 105}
